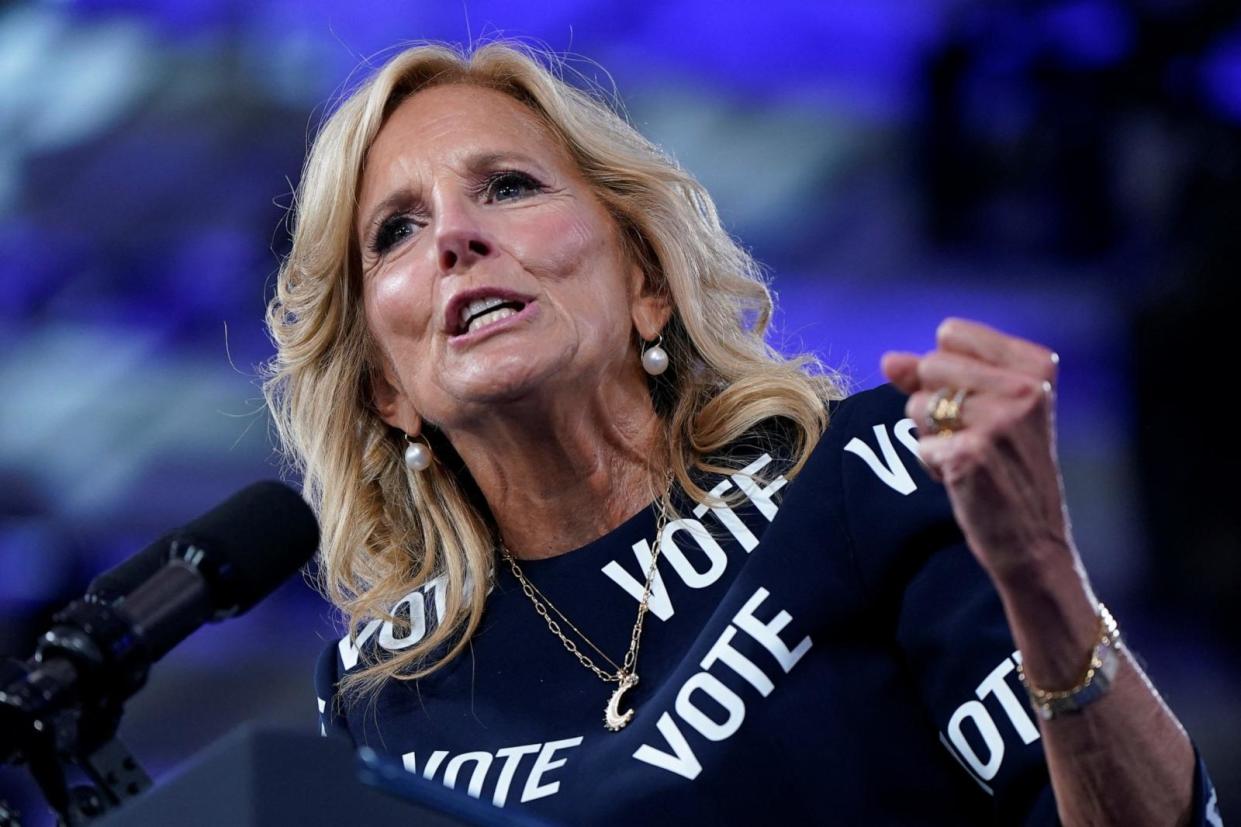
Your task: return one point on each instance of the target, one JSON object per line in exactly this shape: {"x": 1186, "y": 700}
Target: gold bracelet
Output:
{"x": 1104, "y": 661}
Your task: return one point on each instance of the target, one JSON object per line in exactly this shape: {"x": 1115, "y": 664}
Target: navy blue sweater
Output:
{"x": 825, "y": 650}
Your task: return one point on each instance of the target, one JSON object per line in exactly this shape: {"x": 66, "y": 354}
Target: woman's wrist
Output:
{"x": 1095, "y": 681}
{"x": 1054, "y": 619}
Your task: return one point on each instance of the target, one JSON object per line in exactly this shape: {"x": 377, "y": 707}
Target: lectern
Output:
{"x": 262, "y": 777}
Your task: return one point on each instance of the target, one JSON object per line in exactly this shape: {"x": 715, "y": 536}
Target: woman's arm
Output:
{"x": 1124, "y": 758}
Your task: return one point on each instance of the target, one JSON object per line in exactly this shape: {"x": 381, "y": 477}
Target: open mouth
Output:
{"x": 484, "y": 312}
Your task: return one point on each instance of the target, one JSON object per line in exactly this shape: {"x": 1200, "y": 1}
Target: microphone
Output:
{"x": 261, "y": 517}
{"x": 100, "y": 649}
{"x": 130, "y": 573}
{"x": 216, "y": 566}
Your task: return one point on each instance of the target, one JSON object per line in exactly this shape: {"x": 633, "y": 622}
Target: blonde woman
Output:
{"x": 606, "y": 555}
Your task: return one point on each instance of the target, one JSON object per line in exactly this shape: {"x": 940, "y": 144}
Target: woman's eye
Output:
{"x": 508, "y": 185}
{"x": 392, "y": 232}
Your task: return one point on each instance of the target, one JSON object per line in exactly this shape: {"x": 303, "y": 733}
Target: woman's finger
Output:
{"x": 918, "y": 408}
{"x": 901, "y": 368}
{"x": 940, "y": 369}
{"x": 975, "y": 339}
{"x": 974, "y": 411}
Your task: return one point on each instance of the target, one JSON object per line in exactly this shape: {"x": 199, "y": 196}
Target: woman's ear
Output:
{"x": 392, "y": 405}
{"x": 651, "y": 307}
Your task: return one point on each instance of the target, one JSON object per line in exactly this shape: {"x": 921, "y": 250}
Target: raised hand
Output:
{"x": 997, "y": 455}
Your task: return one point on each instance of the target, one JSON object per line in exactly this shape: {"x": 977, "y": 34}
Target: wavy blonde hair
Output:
{"x": 386, "y": 530}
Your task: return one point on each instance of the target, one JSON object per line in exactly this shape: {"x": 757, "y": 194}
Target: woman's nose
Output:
{"x": 460, "y": 253}
{"x": 461, "y": 237}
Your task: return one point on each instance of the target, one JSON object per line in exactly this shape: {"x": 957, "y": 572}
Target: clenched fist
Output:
{"x": 998, "y": 461}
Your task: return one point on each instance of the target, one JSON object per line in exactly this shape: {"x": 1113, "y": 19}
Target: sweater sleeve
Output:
{"x": 944, "y": 615}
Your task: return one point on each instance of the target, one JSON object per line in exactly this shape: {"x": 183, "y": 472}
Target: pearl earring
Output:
{"x": 417, "y": 455}
{"x": 655, "y": 358}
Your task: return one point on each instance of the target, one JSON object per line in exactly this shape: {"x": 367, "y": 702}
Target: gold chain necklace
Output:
{"x": 626, "y": 675}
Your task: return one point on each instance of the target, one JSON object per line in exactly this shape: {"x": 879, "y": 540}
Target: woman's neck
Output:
{"x": 559, "y": 477}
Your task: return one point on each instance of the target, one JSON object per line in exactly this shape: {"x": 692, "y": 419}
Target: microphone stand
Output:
{"x": 62, "y": 708}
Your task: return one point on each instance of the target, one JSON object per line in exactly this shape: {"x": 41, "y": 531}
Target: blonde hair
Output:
{"x": 386, "y": 530}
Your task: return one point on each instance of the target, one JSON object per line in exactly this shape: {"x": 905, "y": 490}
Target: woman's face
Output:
{"x": 491, "y": 272}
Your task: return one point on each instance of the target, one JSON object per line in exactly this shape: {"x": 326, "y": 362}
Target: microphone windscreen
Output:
{"x": 249, "y": 544}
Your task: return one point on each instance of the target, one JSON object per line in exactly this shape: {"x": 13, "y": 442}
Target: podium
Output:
{"x": 260, "y": 777}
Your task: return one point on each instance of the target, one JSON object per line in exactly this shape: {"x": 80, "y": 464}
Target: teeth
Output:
{"x": 490, "y": 318}
{"x": 478, "y": 306}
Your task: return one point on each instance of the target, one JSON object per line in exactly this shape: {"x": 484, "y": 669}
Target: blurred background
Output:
{"x": 1068, "y": 171}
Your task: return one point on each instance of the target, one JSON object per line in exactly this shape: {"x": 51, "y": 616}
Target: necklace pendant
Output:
{"x": 613, "y": 718}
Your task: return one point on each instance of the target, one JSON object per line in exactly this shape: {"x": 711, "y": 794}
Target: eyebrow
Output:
{"x": 405, "y": 199}
{"x": 398, "y": 201}
{"x": 489, "y": 160}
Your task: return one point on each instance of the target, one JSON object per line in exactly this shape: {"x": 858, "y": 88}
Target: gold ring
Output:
{"x": 944, "y": 413}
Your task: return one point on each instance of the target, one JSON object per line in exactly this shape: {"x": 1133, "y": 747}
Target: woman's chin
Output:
{"x": 502, "y": 377}
{"x": 528, "y": 373}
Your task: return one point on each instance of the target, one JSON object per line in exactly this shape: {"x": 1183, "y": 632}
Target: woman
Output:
{"x": 605, "y": 554}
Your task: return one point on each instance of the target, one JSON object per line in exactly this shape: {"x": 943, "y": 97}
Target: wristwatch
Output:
{"x": 1104, "y": 661}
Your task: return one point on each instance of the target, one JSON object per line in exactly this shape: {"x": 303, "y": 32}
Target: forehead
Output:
{"x": 448, "y": 125}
